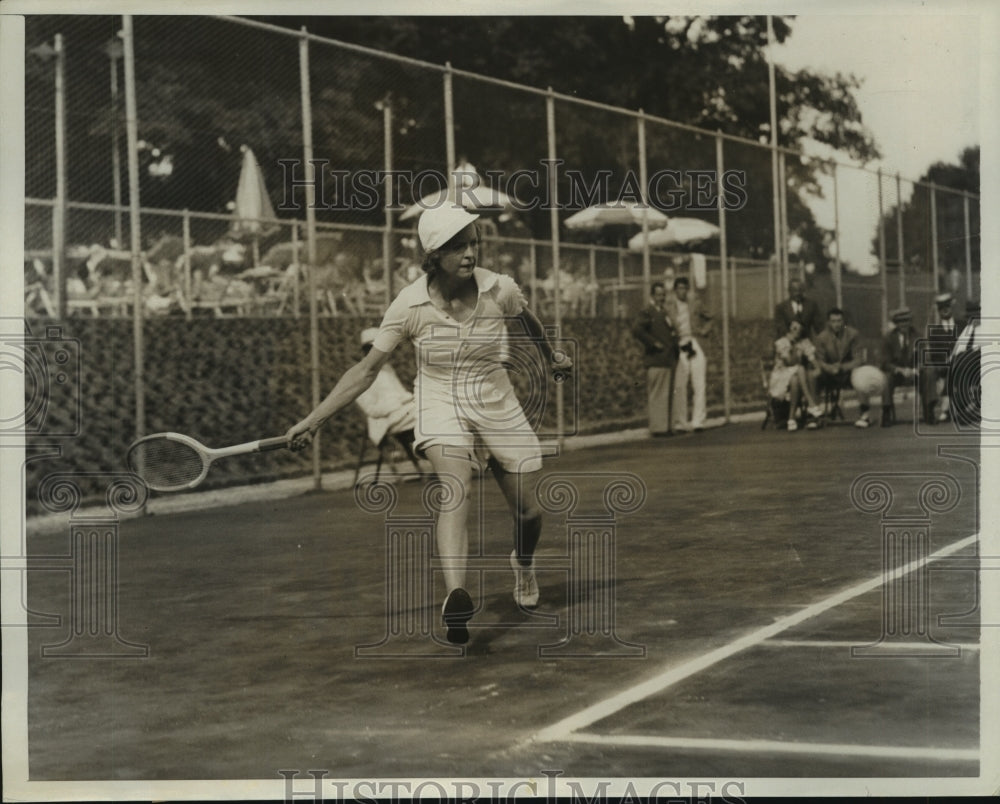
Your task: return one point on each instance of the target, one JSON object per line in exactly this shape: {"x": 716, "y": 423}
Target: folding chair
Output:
{"x": 389, "y": 442}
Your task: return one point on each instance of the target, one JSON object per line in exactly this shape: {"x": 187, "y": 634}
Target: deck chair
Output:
{"x": 389, "y": 444}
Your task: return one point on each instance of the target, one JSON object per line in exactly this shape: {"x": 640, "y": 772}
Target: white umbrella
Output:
{"x": 252, "y": 201}
{"x": 476, "y": 199}
{"x": 678, "y": 232}
{"x": 622, "y": 213}
{"x": 475, "y": 196}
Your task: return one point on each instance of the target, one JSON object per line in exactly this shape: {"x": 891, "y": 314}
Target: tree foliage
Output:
{"x": 205, "y": 86}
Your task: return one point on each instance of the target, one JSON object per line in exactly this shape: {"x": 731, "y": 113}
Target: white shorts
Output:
{"x": 496, "y": 428}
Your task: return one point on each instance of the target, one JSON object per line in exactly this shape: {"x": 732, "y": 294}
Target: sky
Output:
{"x": 920, "y": 98}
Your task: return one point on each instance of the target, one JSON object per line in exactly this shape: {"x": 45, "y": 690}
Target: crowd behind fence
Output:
{"x": 157, "y": 254}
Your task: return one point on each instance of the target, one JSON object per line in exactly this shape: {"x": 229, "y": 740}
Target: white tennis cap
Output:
{"x": 368, "y": 335}
{"x": 439, "y": 225}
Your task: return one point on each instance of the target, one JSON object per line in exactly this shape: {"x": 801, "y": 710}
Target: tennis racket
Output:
{"x": 175, "y": 462}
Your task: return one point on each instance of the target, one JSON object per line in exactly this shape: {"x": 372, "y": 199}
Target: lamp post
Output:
{"x": 114, "y": 51}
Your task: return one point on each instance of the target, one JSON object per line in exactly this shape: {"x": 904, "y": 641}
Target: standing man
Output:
{"x": 797, "y": 308}
{"x": 964, "y": 371}
{"x": 656, "y": 333}
{"x": 898, "y": 360}
{"x": 688, "y": 320}
{"x": 941, "y": 337}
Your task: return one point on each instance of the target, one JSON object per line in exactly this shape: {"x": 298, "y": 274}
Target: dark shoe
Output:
{"x": 456, "y": 613}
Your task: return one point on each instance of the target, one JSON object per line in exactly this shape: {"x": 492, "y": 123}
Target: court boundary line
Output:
{"x": 843, "y": 643}
{"x": 568, "y": 726}
{"x": 904, "y": 752}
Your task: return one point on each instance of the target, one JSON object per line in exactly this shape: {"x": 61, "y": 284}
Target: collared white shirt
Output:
{"x": 455, "y": 358}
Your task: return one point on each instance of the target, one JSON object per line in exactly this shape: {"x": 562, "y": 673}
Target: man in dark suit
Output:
{"x": 797, "y": 308}
{"x": 941, "y": 337}
{"x": 899, "y": 359}
{"x": 655, "y": 331}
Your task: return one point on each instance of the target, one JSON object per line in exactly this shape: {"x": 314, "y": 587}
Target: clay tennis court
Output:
{"x": 730, "y": 640}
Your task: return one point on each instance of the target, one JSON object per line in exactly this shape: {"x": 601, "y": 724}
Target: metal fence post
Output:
{"x": 449, "y": 120}
{"x": 550, "y": 121}
{"x": 837, "y": 269}
{"x": 643, "y": 180}
{"x": 310, "y": 188}
{"x": 883, "y": 267}
{"x": 899, "y": 240}
{"x": 934, "y": 239}
{"x": 186, "y": 237}
{"x": 723, "y": 270}
{"x": 968, "y": 249}
{"x": 135, "y": 231}
{"x": 60, "y": 211}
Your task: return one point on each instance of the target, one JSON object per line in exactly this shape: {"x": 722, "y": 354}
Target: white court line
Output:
{"x": 778, "y": 747}
{"x": 602, "y": 709}
{"x": 822, "y": 643}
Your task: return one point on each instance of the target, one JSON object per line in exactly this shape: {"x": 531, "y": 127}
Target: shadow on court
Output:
{"x": 254, "y": 617}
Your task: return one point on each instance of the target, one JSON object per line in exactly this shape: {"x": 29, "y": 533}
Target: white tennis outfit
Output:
{"x": 464, "y": 397}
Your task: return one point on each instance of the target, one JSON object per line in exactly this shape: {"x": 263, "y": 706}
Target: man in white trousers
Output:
{"x": 689, "y": 320}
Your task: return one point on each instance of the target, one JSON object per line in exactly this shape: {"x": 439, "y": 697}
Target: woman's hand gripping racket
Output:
{"x": 175, "y": 462}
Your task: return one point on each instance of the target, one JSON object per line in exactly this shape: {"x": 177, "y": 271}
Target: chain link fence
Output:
{"x": 209, "y": 91}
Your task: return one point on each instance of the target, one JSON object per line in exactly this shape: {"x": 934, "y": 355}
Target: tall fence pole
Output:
{"x": 899, "y": 240}
{"x": 723, "y": 270}
{"x": 783, "y": 191}
{"x": 550, "y": 123}
{"x": 387, "y": 234}
{"x": 135, "y": 230}
{"x": 883, "y": 268}
{"x": 449, "y": 121}
{"x": 646, "y": 269}
{"x": 837, "y": 265}
{"x": 310, "y": 188}
{"x": 969, "y": 290}
{"x": 186, "y": 240}
{"x": 60, "y": 211}
{"x": 934, "y": 240}
{"x": 773, "y": 102}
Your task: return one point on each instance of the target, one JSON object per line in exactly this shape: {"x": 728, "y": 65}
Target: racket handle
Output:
{"x": 268, "y": 444}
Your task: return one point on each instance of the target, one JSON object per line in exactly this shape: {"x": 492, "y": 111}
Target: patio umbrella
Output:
{"x": 476, "y": 196}
{"x": 622, "y": 213}
{"x": 252, "y": 201}
{"x": 678, "y": 232}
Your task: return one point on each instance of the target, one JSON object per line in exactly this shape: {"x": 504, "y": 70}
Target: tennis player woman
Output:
{"x": 467, "y": 410}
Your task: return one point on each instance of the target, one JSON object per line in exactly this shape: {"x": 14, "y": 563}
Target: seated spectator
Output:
{"x": 838, "y": 353}
{"x": 964, "y": 371}
{"x": 789, "y": 380}
{"x": 898, "y": 359}
{"x": 388, "y": 405}
{"x": 941, "y": 337}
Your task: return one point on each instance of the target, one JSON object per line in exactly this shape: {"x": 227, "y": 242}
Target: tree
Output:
{"x": 950, "y": 208}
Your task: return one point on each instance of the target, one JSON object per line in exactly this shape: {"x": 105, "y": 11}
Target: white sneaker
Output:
{"x": 863, "y": 422}
{"x": 525, "y": 585}
{"x": 816, "y": 411}
{"x": 792, "y": 425}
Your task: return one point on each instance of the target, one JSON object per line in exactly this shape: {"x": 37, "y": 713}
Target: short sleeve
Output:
{"x": 394, "y": 325}
{"x": 509, "y": 297}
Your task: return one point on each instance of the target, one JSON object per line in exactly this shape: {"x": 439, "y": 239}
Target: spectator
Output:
{"x": 898, "y": 359}
{"x": 941, "y": 337}
{"x": 387, "y": 403}
{"x": 789, "y": 379}
{"x": 656, "y": 333}
{"x": 688, "y": 320}
{"x": 797, "y": 308}
{"x": 964, "y": 381}
{"x": 838, "y": 353}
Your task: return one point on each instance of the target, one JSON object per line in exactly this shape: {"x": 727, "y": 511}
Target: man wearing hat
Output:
{"x": 941, "y": 337}
{"x": 899, "y": 359}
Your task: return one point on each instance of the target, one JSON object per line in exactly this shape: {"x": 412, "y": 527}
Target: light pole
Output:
{"x": 114, "y": 51}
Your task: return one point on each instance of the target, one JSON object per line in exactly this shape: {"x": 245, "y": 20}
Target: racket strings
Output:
{"x": 165, "y": 464}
